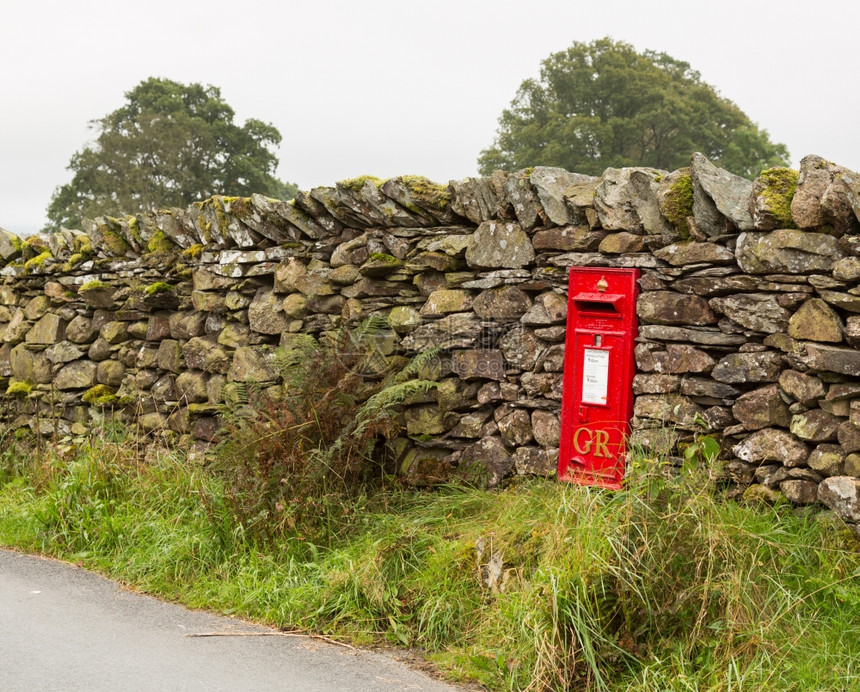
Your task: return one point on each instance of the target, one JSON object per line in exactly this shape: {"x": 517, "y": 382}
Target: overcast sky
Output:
{"x": 390, "y": 87}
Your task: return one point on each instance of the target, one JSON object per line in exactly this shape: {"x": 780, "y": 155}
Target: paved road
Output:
{"x": 62, "y": 628}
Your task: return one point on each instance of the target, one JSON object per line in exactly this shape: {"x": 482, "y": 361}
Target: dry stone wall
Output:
{"x": 749, "y": 313}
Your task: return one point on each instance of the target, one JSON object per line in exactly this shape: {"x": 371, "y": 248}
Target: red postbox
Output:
{"x": 597, "y": 393}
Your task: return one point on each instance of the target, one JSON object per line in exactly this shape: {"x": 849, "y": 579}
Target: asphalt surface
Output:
{"x": 63, "y": 628}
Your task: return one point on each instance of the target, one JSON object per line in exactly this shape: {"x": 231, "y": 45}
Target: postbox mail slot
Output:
{"x": 598, "y": 303}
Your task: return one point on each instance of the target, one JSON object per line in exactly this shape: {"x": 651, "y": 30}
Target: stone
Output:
{"x": 48, "y": 330}
{"x": 815, "y": 425}
{"x": 16, "y": 330}
{"x": 708, "y": 388}
{"x": 827, "y": 459}
{"x": 446, "y": 301}
{"x": 515, "y": 427}
{"x": 454, "y": 331}
{"x": 521, "y": 195}
{"x": 761, "y": 494}
{"x": 80, "y": 374}
{"x": 548, "y": 308}
{"x": 470, "y": 424}
{"x": 546, "y": 384}
{"x": 534, "y": 461}
{"x": 427, "y": 420}
{"x": 759, "y": 312}
{"x": 201, "y": 353}
{"x": 626, "y": 200}
{"x": 762, "y": 408}
{"x": 170, "y": 356}
{"x": 185, "y": 325}
{"x": 673, "y": 409}
{"x": 114, "y": 332}
{"x": 422, "y": 467}
{"x": 29, "y": 366}
{"x": 822, "y": 197}
{"x": 847, "y": 269}
{"x": 742, "y": 473}
{"x": 10, "y": 246}
{"x": 787, "y": 251}
{"x": 682, "y": 254}
{"x": 852, "y": 464}
{"x": 799, "y": 492}
{"x": 479, "y": 363}
{"x": 546, "y": 428}
{"x": 704, "y": 337}
{"x": 801, "y": 387}
{"x": 489, "y": 457}
{"x": 501, "y": 304}
{"x": 819, "y": 357}
{"x": 621, "y": 243}
{"x": 158, "y": 327}
{"x": 295, "y": 306}
{"x": 848, "y": 436}
{"x": 844, "y": 301}
{"x": 474, "y": 198}
{"x": 98, "y": 295}
{"x": 729, "y": 193}
{"x": 234, "y": 335}
{"x": 110, "y": 372}
{"x": 568, "y": 239}
{"x": 191, "y": 388}
{"x": 552, "y": 186}
{"x": 842, "y": 495}
{"x": 520, "y": 348}
{"x": 292, "y": 276}
{"x": 265, "y": 314}
{"x": 403, "y": 319}
{"x": 496, "y": 245}
{"x": 63, "y": 352}
{"x": 667, "y": 307}
{"x": 815, "y": 320}
{"x": 254, "y": 364}
{"x": 552, "y": 359}
{"x": 676, "y": 359}
{"x": 36, "y": 308}
{"x": 772, "y": 444}
{"x": 739, "y": 368}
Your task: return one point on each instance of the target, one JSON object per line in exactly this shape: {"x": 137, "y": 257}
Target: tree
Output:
{"x": 169, "y": 145}
{"x": 602, "y": 105}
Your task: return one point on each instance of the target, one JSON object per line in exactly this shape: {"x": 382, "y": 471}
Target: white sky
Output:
{"x": 389, "y": 87}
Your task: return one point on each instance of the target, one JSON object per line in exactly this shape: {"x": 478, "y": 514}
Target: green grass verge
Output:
{"x": 540, "y": 586}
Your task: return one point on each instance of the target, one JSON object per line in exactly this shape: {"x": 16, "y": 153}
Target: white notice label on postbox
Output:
{"x": 595, "y": 376}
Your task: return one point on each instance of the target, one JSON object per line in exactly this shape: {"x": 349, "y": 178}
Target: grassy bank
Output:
{"x": 540, "y": 586}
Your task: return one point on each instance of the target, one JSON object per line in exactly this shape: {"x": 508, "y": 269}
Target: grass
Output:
{"x": 540, "y": 586}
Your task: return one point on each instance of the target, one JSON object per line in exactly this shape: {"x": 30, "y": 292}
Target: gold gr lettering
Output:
{"x": 584, "y": 440}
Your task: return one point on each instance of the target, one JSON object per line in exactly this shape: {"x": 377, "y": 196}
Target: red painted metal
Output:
{"x": 597, "y": 393}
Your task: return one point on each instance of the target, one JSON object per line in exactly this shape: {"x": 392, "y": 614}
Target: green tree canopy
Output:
{"x": 169, "y": 145}
{"x": 601, "y": 104}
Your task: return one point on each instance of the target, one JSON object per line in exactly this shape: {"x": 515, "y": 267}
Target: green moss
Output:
{"x": 158, "y": 287}
{"x": 430, "y": 194}
{"x": 678, "y": 203}
{"x": 160, "y": 243}
{"x": 780, "y": 184}
{"x": 193, "y": 252}
{"x": 134, "y": 228}
{"x": 38, "y": 260}
{"x": 355, "y": 184}
{"x": 16, "y": 243}
{"x": 382, "y": 257}
{"x": 93, "y": 285}
{"x": 114, "y": 241}
{"x": 83, "y": 246}
{"x": 19, "y": 389}
{"x": 100, "y": 395}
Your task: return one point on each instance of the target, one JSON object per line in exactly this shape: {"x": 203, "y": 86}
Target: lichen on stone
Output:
{"x": 100, "y": 395}
{"x": 159, "y": 242}
{"x": 780, "y": 184}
